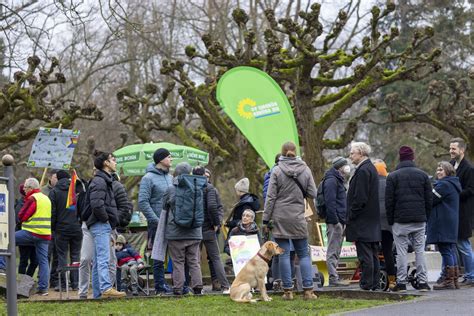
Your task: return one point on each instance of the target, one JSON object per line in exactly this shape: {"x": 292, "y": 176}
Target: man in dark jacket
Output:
{"x": 101, "y": 222}
{"x": 408, "y": 201}
{"x": 212, "y": 223}
{"x": 66, "y": 227}
{"x": 465, "y": 173}
{"x": 124, "y": 206}
{"x": 363, "y": 215}
{"x": 335, "y": 199}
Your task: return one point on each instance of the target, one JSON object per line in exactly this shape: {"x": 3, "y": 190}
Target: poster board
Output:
{"x": 53, "y": 148}
{"x": 242, "y": 249}
{"x": 318, "y": 253}
{"x": 3, "y": 217}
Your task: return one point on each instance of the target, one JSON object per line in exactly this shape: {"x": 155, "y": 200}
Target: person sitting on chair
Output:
{"x": 129, "y": 261}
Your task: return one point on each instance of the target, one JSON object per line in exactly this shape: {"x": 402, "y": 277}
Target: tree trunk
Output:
{"x": 311, "y": 142}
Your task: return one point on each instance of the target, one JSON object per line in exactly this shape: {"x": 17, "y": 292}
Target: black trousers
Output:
{"x": 28, "y": 262}
{"x": 367, "y": 253}
{"x": 53, "y": 260}
{"x": 387, "y": 249}
{"x": 68, "y": 244}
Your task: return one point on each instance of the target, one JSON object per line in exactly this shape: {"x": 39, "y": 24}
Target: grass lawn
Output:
{"x": 205, "y": 305}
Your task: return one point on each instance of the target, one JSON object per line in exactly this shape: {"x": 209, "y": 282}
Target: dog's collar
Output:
{"x": 264, "y": 259}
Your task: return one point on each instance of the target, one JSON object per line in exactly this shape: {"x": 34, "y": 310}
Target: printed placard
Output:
{"x": 242, "y": 249}
{"x": 3, "y": 217}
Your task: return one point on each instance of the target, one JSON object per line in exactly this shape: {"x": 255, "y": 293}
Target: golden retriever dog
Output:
{"x": 253, "y": 274}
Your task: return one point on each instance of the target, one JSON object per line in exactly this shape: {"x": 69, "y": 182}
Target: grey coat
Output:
{"x": 160, "y": 243}
{"x": 284, "y": 204}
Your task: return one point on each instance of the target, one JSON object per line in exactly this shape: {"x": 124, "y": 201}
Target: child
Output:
{"x": 129, "y": 262}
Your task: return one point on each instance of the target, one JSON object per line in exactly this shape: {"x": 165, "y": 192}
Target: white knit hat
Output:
{"x": 242, "y": 185}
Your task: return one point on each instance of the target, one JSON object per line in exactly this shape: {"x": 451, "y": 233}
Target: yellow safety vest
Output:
{"x": 40, "y": 222}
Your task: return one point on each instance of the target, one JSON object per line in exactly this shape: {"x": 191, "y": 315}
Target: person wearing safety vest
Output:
{"x": 35, "y": 218}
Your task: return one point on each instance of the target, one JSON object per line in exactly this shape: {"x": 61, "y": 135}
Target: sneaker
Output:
{"x": 198, "y": 291}
{"x": 277, "y": 286}
{"x": 42, "y": 292}
{"x": 424, "y": 287}
{"x": 337, "y": 283}
{"x": 225, "y": 291}
{"x": 113, "y": 293}
{"x": 401, "y": 288}
{"x": 467, "y": 283}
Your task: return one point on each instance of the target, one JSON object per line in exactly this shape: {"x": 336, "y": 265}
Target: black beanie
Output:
{"x": 160, "y": 154}
{"x": 62, "y": 174}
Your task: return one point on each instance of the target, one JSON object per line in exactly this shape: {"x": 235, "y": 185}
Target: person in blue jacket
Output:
{"x": 154, "y": 185}
{"x": 443, "y": 221}
{"x": 335, "y": 200}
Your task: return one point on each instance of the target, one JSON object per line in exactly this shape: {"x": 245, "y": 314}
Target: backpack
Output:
{"x": 320, "y": 202}
{"x": 189, "y": 201}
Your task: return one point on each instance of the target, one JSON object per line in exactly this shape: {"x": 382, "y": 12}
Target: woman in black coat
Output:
{"x": 442, "y": 228}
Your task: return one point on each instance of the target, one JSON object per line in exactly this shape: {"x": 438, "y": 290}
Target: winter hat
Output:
{"x": 121, "y": 240}
{"x": 61, "y": 174}
{"x": 381, "y": 168}
{"x": 339, "y": 162}
{"x": 199, "y": 171}
{"x": 406, "y": 153}
{"x": 160, "y": 154}
{"x": 182, "y": 168}
{"x": 243, "y": 185}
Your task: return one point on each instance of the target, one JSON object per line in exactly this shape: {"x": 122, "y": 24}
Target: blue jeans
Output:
{"x": 301, "y": 249}
{"x": 448, "y": 254}
{"x": 464, "y": 247}
{"x": 100, "y": 263}
{"x": 25, "y": 238}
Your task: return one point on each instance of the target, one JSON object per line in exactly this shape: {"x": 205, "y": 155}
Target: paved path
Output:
{"x": 433, "y": 303}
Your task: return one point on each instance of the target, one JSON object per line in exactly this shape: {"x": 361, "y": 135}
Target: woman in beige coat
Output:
{"x": 290, "y": 182}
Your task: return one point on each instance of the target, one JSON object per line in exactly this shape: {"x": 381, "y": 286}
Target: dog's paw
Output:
{"x": 253, "y": 301}
{"x": 267, "y": 299}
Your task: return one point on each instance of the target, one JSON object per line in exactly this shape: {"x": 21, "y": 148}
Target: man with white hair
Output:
{"x": 363, "y": 215}
{"x": 35, "y": 218}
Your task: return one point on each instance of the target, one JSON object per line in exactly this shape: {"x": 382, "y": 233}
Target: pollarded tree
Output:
{"x": 25, "y": 104}
{"x": 321, "y": 83}
{"x": 447, "y": 106}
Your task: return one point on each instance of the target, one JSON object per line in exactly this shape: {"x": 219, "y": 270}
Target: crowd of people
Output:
{"x": 406, "y": 208}
{"x": 364, "y": 204}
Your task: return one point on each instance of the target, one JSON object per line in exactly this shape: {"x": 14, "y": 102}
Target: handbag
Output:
{"x": 308, "y": 202}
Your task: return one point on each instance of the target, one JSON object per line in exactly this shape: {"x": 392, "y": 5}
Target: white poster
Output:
{"x": 53, "y": 148}
{"x": 3, "y": 217}
{"x": 242, "y": 249}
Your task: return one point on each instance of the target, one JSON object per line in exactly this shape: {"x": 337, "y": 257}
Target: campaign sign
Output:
{"x": 53, "y": 148}
{"x": 242, "y": 249}
{"x": 3, "y": 217}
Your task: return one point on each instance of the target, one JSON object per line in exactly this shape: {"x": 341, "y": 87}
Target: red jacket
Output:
{"x": 28, "y": 209}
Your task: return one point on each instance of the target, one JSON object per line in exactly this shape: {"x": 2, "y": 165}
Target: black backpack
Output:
{"x": 189, "y": 201}
{"x": 320, "y": 202}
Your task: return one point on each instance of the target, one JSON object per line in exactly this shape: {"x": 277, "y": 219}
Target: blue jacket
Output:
{"x": 266, "y": 182}
{"x": 335, "y": 197}
{"x": 153, "y": 186}
{"x": 444, "y": 217}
